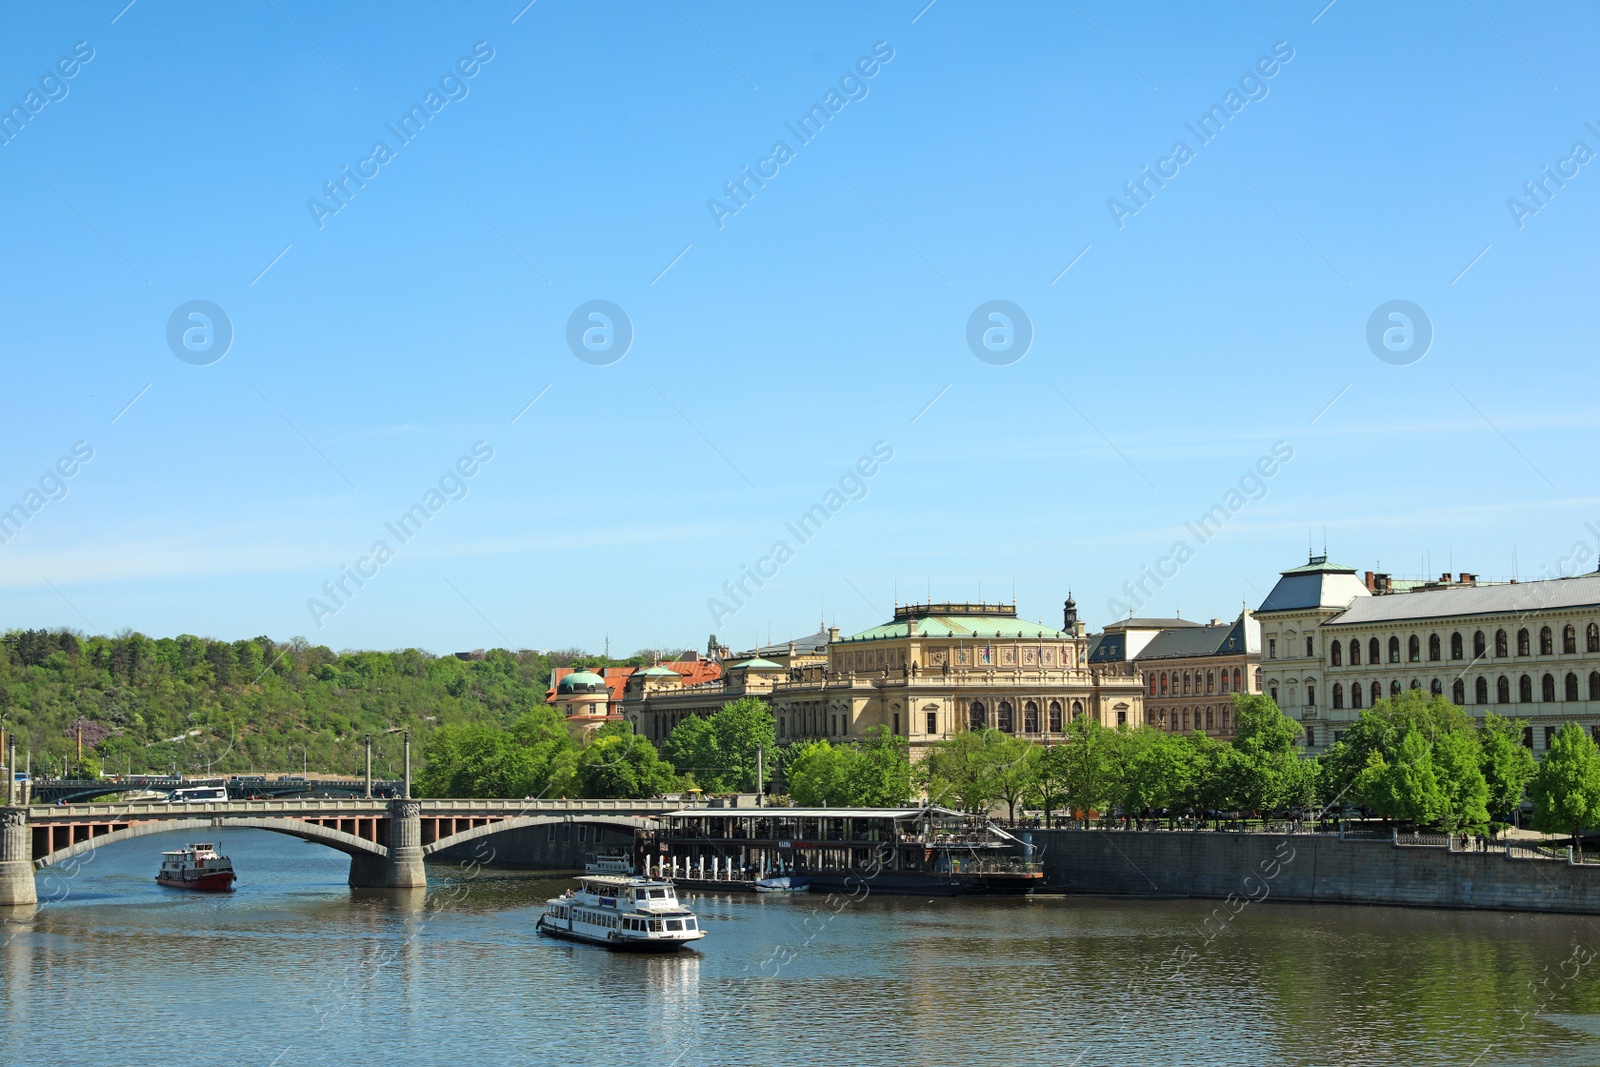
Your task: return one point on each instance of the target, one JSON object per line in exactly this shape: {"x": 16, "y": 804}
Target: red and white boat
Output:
{"x": 196, "y": 867}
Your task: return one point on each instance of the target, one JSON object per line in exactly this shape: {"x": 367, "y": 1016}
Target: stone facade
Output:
{"x": 931, "y": 671}
{"x": 1529, "y": 650}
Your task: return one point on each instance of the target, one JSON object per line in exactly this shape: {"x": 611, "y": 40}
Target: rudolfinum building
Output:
{"x": 930, "y": 671}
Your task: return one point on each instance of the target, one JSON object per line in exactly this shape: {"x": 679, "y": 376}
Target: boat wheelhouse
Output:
{"x": 930, "y": 850}
{"x": 624, "y": 912}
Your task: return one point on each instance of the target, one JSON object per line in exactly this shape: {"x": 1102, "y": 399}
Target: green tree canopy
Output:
{"x": 1566, "y": 787}
{"x": 1508, "y": 765}
{"x": 719, "y": 750}
{"x": 618, "y": 763}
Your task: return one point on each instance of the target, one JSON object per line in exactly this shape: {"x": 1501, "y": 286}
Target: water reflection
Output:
{"x": 297, "y": 960}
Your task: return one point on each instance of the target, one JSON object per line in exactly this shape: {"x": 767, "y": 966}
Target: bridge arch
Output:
{"x": 349, "y": 844}
{"x": 519, "y": 822}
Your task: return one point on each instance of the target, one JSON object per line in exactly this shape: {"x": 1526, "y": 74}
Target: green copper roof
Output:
{"x": 962, "y": 627}
{"x": 758, "y": 663}
{"x": 659, "y": 672}
{"x": 1319, "y": 565}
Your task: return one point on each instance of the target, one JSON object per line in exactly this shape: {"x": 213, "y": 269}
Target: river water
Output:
{"x": 295, "y": 968}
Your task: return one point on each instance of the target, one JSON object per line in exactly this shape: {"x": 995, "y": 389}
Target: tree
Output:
{"x": 816, "y": 774}
{"x": 720, "y": 750}
{"x": 1507, "y": 764}
{"x": 880, "y": 775}
{"x": 1087, "y": 777}
{"x": 961, "y": 770}
{"x": 1407, "y": 789}
{"x": 1566, "y": 787}
{"x": 1014, "y": 771}
{"x": 476, "y": 760}
{"x": 1454, "y": 759}
{"x": 618, "y": 763}
{"x": 1271, "y": 771}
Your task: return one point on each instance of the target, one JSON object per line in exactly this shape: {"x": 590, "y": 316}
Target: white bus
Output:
{"x": 200, "y": 794}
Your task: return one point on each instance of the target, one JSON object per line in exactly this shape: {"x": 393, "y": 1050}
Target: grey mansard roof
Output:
{"x": 1319, "y": 584}
{"x": 1522, "y": 598}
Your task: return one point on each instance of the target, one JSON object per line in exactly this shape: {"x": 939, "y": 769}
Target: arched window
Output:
{"x": 1480, "y": 647}
{"x": 1338, "y": 692}
{"x": 1258, "y": 679}
{"x": 1458, "y": 692}
{"x": 1224, "y": 680}
{"x": 1413, "y": 649}
{"x": 1569, "y": 639}
{"x": 1002, "y": 714}
{"x": 1502, "y": 690}
{"x": 1374, "y": 654}
{"x": 1355, "y": 694}
{"x": 1501, "y": 649}
{"x": 1209, "y": 720}
{"x": 1455, "y": 646}
{"x": 1077, "y": 709}
{"x": 1592, "y": 637}
{"x": 1394, "y": 649}
{"x": 1355, "y": 653}
{"x": 1377, "y": 693}
{"x": 1238, "y": 683}
{"x": 1055, "y": 716}
{"x": 1185, "y": 683}
{"x": 977, "y": 717}
{"x": 1433, "y": 647}
{"x": 1572, "y": 686}
{"x": 1163, "y": 683}
{"x": 1211, "y": 681}
{"x": 1152, "y": 683}
{"x": 1524, "y": 645}
{"x": 1415, "y": 684}
{"x": 1185, "y": 720}
{"x": 1547, "y": 689}
{"x": 1480, "y": 691}
{"x": 1436, "y": 687}
{"x": 1394, "y": 688}
{"x": 1030, "y": 718}
{"x": 1525, "y": 689}
{"x": 1547, "y": 645}
{"x": 1336, "y": 653}
{"x": 1594, "y": 685}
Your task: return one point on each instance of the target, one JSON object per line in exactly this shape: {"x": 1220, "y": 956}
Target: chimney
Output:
{"x": 1445, "y": 577}
{"x": 833, "y": 634}
{"x": 1468, "y": 579}
{"x": 1370, "y": 576}
{"x": 911, "y": 627}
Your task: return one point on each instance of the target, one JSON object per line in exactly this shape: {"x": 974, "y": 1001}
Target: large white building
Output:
{"x": 1333, "y": 643}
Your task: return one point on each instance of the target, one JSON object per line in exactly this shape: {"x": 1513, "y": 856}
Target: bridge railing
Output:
{"x": 354, "y": 807}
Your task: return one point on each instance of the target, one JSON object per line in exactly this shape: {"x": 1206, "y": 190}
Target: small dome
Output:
{"x": 758, "y": 664}
{"x": 581, "y": 682}
{"x": 659, "y": 672}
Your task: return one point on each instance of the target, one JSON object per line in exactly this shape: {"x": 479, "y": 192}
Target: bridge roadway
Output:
{"x": 387, "y": 841}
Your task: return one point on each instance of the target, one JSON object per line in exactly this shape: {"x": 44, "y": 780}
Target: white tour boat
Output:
{"x": 620, "y": 911}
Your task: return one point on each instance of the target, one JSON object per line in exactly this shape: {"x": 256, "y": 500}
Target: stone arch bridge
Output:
{"x": 387, "y": 841}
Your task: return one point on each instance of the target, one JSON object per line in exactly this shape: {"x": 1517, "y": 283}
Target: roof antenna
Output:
{"x": 1324, "y": 540}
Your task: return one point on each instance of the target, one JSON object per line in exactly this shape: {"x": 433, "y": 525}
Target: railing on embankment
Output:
{"x": 1425, "y": 870}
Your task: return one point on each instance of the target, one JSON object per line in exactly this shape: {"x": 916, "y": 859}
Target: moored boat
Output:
{"x": 783, "y": 884}
{"x": 622, "y": 912}
{"x": 197, "y": 867}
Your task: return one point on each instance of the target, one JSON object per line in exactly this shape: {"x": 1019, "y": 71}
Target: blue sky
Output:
{"x": 769, "y": 354}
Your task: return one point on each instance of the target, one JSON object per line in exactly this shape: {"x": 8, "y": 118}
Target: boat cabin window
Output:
{"x": 659, "y": 894}
{"x": 674, "y": 924}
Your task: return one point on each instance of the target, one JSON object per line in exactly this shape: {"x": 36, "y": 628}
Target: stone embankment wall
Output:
{"x": 1317, "y": 868}
{"x": 558, "y": 847}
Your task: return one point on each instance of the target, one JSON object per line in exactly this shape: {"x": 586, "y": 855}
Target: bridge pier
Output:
{"x": 16, "y": 859}
{"x": 403, "y": 867}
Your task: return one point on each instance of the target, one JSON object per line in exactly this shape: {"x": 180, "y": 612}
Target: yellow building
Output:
{"x": 930, "y": 671}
